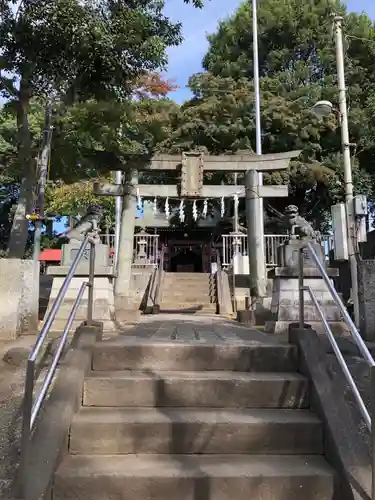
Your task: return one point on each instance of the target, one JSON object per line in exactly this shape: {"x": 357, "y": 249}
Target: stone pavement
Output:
{"x": 194, "y": 328}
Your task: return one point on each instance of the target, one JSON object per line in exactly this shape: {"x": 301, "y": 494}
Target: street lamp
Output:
{"x": 322, "y": 108}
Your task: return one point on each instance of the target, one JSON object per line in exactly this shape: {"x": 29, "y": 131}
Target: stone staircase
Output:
{"x": 194, "y": 421}
{"x": 189, "y": 292}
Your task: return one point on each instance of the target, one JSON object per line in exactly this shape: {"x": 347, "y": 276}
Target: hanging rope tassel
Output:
{"x": 205, "y": 208}
{"x": 195, "y": 211}
{"x": 166, "y": 209}
{"x": 222, "y": 207}
{"x": 182, "y": 212}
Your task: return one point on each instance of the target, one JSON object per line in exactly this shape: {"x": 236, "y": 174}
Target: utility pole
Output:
{"x": 42, "y": 168}
{"x": 345, "y": 142}
{"x": 43, "y": 160}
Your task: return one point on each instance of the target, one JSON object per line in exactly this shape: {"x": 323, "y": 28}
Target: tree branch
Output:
{"x": 8, "y": 85}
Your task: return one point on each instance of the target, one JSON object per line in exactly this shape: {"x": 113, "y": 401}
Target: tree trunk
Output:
{"x": 49, "y": 228}
{"x": 19, "y": 231}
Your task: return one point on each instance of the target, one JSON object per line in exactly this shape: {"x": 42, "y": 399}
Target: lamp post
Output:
{"x": 324, "y": 108}
{"x": 118, "y": 177}
{"x": 254, "y": 203}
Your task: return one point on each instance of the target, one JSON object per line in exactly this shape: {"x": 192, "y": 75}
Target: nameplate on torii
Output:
{"x": 193, "y": 166}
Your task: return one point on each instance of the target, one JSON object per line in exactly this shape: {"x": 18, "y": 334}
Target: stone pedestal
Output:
{"x": 285, "y": 293}
{"x": 103, "y": 307}
{"x": 70, "y": 250}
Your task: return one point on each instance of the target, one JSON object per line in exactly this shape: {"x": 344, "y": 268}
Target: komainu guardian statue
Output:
{"x": 298, "y": 226}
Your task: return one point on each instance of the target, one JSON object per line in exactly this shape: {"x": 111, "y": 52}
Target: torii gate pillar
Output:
{"x": 255, "y": 238}
{"x": 126, "y": 312}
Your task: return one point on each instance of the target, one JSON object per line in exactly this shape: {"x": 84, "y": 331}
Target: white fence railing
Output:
{"x": 146, "y": 247}
{"x": 233, "y": 243}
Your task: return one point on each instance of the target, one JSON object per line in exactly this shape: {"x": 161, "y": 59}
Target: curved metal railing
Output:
{"x": 346, "y": 318}
{"x": 32, "y": 405}
{"x": 159, "y": 279}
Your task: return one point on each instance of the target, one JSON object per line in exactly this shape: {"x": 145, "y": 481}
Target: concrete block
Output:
{"x": 285, "y": 300}
{"x": 157, "y": 477}
{"x": 70, "y": 250}
{"x": 196, "y": 389}
{"x": 18, "y": 307}
{"x": 187, "y": 431}
{"x": 103, "y": 310}
{"x": 120, "y": 354}
{"x": 338, "y": 328}
{"x": 289, "y": 254}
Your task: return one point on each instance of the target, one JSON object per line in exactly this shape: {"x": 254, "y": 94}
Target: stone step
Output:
{"x": 189, "y": 297}
{"x": 191, "y": 281}
{"x": 188, "y": 275}
{"x": 174, "y": 304}
{"x": 173, "y": 280}
{"x": 194, "y": 431}
{"x": 122, "y": 354}
{"x": 187, "y": 288}
{"x": 210, "y": 389}
{"x": 184, "y": 477}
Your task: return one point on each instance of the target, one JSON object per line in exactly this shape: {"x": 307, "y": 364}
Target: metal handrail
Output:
{"x": 347, "y": 319}
{"x": 219, "y": 281}
{"x": 159, "y": 277}
{"x": 31, "y": 406}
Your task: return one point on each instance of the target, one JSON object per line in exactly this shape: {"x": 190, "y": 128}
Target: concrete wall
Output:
{"x": 18, "y": 306}
{"x": 343, "y": 282}
{"x": 366, "y": 294}
{"x": 347, "y": 440}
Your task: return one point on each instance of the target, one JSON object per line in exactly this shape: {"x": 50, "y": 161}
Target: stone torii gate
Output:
{"x": 192, "y": 166}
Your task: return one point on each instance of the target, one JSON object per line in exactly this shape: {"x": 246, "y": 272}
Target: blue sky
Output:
{"x": 186, "y": 59}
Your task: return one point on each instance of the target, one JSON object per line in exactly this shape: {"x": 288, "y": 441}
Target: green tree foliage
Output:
{"x": 74, "y": 50}
{"x": 297, "y": 67}
{"x": 93, "y": 137}
{"x": 89, "y": 139}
